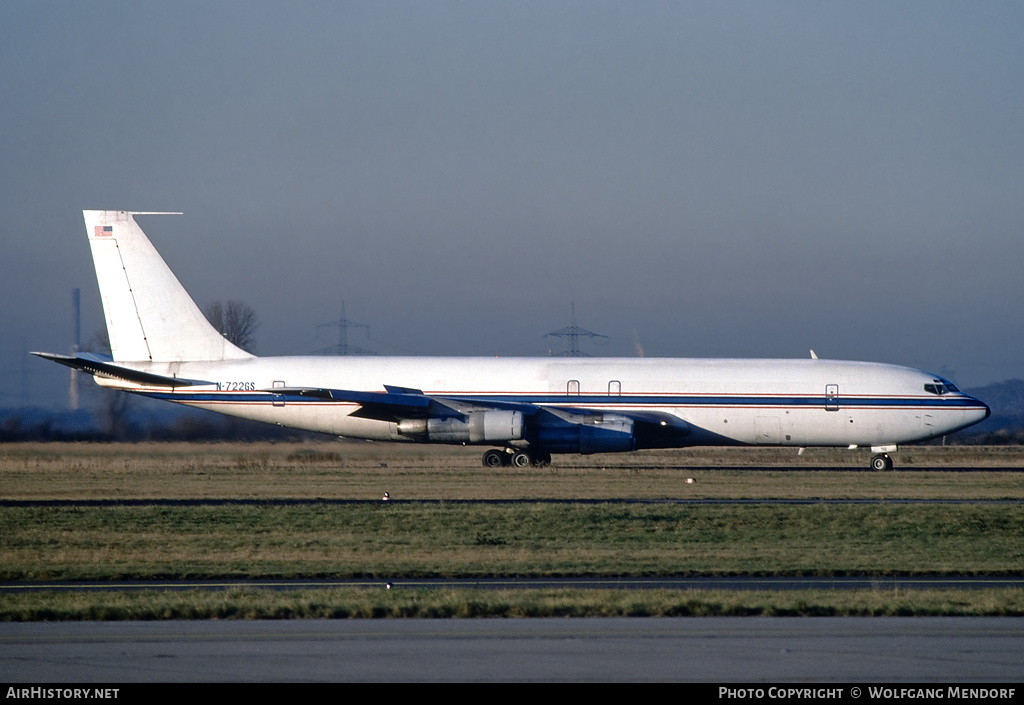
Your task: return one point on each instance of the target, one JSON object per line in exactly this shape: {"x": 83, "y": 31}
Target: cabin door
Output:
{"x": 831, "y": 397}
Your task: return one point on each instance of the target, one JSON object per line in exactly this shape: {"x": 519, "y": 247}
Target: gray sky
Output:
{"x": 741, "y": 179}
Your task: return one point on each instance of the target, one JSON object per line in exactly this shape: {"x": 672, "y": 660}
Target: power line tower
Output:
{"x": 572, "y": 335}
{"x": 342, "y": 348}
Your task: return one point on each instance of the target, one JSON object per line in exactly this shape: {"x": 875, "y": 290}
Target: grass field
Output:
{"x": 336, "y": 470}
{"x": 531, "y": 536}
{"x": 529, "y": 539}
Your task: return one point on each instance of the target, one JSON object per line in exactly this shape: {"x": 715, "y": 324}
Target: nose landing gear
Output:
{"x": 881, "y": 462}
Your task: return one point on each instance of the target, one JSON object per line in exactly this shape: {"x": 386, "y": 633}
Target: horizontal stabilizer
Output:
{"x": 94, "y": 365}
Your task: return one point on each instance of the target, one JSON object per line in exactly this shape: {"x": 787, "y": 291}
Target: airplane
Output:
{"x": 530, "y": 409}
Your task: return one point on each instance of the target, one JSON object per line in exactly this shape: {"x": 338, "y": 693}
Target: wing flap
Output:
{"x": 382, "y": 406}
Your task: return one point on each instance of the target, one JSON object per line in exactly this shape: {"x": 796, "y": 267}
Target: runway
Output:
{"x": 720, "y": 650}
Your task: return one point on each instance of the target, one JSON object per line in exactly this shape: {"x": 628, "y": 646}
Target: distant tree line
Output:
{"x": 188, "y": 427}
{"x": 236, "y": 321}
{"x": 1008, "y": 436}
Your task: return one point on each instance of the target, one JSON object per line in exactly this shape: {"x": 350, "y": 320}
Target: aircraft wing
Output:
{"x": 396, "y": 404}
{"x": 96, "y": 365}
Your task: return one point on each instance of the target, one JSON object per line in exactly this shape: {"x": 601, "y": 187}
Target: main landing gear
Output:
{"x": 515, "y": 457}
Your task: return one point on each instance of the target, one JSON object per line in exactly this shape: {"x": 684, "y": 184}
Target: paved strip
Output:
{"x": 774, "y": 651}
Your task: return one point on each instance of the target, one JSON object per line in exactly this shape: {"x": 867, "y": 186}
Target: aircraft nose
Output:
{"x": 979, "y": 409}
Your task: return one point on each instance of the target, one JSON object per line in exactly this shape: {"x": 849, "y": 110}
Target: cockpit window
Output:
{"x": 940, "y": 387}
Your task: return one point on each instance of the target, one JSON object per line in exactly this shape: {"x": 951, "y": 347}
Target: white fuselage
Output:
{"x": 163, "y": 346}
{"x": 723, "y": 401}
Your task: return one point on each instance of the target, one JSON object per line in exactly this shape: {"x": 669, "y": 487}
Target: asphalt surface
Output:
{"x": 853, "y": 651}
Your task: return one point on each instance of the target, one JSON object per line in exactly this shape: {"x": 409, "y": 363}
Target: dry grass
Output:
{"x": 346, "y": 470}
{"x": 355, "y": 603}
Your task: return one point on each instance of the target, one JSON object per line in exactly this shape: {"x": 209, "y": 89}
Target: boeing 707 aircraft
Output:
{"x": 529, "y": 409}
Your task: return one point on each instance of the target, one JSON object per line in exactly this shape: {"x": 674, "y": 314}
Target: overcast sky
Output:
{"x": 738, "y": 179}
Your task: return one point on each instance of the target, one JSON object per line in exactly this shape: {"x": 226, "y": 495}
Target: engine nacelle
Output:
{"x": 612, "y": 434}
{"x": 497, "y": 426}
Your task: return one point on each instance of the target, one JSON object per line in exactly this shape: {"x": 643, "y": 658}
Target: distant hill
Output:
{"x": 1006, "y": 424}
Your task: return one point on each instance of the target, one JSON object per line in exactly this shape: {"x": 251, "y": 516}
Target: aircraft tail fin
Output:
{"x": 149, "y": 314}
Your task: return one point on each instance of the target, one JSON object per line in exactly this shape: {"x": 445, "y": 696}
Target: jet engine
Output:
{"x": 608, "y": 433}
{"x": 497, "y": 426}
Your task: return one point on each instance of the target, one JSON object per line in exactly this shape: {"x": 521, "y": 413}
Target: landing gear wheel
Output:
{"x": 495, "y": 458}
{"x": 881, "y": 462}
{"x": 541, "y": 460}
{"x": 521, "y": 459}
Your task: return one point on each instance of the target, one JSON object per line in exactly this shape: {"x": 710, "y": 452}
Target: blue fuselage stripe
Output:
{"x": 586, "y": 400}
